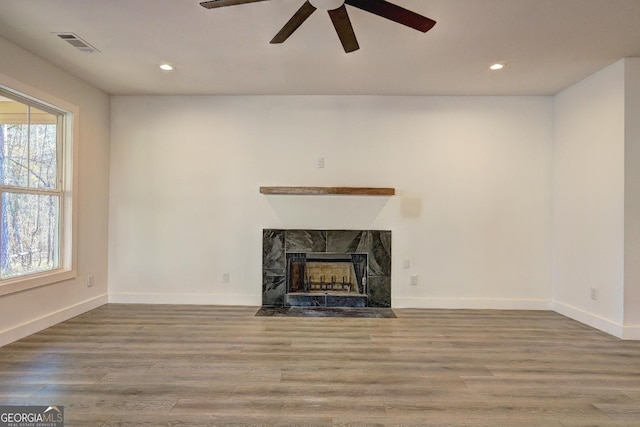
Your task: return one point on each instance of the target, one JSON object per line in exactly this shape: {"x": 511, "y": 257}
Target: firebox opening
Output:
{"x": 327, "y": 273}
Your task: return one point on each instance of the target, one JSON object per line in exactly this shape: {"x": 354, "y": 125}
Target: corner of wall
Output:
{"x": 589, "y": 319}
{"x": 588, "y": 200}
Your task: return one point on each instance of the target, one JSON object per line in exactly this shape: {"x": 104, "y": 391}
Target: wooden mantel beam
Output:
{"x": 315, "y": 191}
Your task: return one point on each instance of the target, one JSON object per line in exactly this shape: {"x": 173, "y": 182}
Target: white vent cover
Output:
{"x": 77, "y": 42}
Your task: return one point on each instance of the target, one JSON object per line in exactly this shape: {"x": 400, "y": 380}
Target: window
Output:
{"x": 34, "y": 189}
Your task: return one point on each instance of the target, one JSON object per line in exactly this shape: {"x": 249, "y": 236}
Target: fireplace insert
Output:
{"x": 337, "y": 273}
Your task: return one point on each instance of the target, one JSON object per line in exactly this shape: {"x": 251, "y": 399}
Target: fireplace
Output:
{"x": 326, "y": 279}
{"x": 329, "y": 268}
{"x": 327, "y": 272}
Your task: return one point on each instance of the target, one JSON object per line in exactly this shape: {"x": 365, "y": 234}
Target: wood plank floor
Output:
{"x": 141, "y": 365}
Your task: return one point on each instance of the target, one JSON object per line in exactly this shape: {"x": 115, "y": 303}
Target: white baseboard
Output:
{"x": 36, "y": 325}
{"x": 195, "y": 299}
{"x": 593, "y": 320}
{"x": 471, "y": 303}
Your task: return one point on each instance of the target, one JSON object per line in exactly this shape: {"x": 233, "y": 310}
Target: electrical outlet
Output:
{"x": 320, "y": 162}
{"x": 594, "y": 293}
{"x": 90, "y": 281}
{"x": 225, "y": 277}
{"x": 406, "y": 263}
{"x": 414, "y": 280}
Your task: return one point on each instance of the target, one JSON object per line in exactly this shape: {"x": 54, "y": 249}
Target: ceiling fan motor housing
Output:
{"x": 326, "y": 4}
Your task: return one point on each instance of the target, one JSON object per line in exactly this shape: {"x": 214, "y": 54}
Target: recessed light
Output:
{"x": 497, "y": 66}
{"x": 166, "y": 67}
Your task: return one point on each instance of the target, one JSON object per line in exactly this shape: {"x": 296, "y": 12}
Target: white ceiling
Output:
{"x": 547, "y": 45}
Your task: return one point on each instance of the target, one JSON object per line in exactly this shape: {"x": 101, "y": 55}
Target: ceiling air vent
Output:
{"x": 77, "y": 42}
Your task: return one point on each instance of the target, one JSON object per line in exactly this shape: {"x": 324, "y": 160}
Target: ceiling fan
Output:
{"x": 339, "y": 16}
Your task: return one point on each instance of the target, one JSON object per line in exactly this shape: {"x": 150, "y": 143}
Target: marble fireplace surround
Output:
{"x": 276, "y": 243}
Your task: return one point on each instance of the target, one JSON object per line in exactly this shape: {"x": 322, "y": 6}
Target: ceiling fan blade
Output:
{"x": 394, "y": 13}
{"x": 212, "y": 4}
{"x": 296, "y": 20}
{"x": 342, "y": 24}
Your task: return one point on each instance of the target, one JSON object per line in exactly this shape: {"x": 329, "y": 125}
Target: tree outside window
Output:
{"x": 30, "y": 187}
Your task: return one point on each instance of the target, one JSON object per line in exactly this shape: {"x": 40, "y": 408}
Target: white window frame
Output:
{"x": 67, "y": 155}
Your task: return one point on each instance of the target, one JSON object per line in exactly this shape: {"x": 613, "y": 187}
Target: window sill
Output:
{"x": 21, "y": 284}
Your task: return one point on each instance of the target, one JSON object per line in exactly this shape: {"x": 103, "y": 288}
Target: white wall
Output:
{"x": 472, "y": 175}
{"x": 30, "y": 311}
{"x": 588, "y": 199}
{"x": 632, "y": 199}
